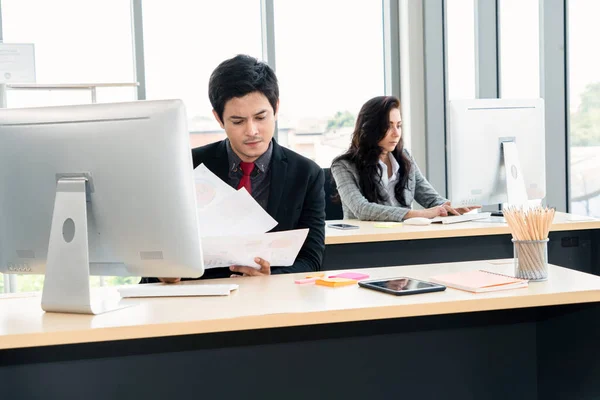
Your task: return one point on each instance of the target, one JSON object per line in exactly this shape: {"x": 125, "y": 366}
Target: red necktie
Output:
{"x": 247, "y": 168}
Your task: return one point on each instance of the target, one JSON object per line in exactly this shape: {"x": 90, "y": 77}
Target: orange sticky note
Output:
{"x": 335, "y": 282}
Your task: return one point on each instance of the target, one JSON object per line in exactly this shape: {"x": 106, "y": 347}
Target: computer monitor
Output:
{"x": 99, "y": 189}
{"x": 486, "y": 135}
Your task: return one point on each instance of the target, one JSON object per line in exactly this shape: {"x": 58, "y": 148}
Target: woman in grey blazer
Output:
{"x": 377, "y": 179}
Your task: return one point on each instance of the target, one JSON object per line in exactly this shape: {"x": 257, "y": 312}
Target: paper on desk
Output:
{"x": 236, "y": 214}
{"x": 209, "y": 188}
{"x": 386, "y": 224}
{"x": 280, "y": 249}
{"x": 579, "y": 218}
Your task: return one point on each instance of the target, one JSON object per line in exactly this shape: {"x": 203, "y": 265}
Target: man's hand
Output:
{"x": 169, "y": 280}
{"x": 265, "y": 269}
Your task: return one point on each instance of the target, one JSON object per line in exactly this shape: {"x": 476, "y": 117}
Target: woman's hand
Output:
{"x": 442, "y": 210}
{"x": 427, "y": 213}
{"x": 458, "y": 211}
{"x": 464, "y": 210}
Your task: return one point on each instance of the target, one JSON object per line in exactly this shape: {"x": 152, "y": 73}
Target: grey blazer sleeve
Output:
{"x": 425, "y": 194}
{"x": 346, "y": 180}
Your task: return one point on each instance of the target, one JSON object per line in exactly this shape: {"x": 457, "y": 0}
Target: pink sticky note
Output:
{"x": 351, "y": 275}
{"x": 306, "y": 280}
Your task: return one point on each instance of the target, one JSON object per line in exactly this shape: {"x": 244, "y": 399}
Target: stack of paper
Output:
{"x": 233, "y": 227}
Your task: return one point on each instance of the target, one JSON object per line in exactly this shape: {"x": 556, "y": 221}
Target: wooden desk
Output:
{"x": 574, "y": 243}
{"x": 275, "y": 339}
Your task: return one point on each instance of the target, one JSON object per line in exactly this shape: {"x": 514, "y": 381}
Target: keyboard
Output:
{"x": 453, "y": 219}
{"x": 176, "y": 290}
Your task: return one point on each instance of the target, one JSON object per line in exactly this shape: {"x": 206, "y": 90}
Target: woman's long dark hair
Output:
{"x": 371, "y": 127}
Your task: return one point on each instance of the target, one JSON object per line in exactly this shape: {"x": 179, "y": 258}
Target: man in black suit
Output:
{"x": 244, "y": 94}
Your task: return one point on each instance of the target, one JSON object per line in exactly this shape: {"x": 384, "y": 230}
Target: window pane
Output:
{"x": 44, "y": 97}
{"x": 29, "y": 283}
{"x": 73, "y": 44}
{"x": 184, "y": 41}
{"x": 329, "y": 62}
{"x": 460, "y": 49}
{"x": 584, "y": 106}
{"x": 519, "y": 49}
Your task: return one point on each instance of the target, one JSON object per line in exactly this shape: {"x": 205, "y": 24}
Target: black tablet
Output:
{"x": 402, "y": 286}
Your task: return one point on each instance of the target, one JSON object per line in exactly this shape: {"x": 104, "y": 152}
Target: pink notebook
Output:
{"x": 479, "y": 281}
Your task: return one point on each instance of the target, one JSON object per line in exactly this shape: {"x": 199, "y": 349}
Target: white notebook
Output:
{"x": 176, "y": 290}
{"x": 479, "y": 281}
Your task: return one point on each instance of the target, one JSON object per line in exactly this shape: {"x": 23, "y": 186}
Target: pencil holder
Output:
{"x": 531, "y": 259}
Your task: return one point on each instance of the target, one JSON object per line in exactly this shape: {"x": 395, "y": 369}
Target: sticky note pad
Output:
{"x": 310, "y": 278}
{"x": 335, "y": 282}
{"x": 306, "y": 280}
{"x": 357, "y": 276}
{"x": 386, "y": 224}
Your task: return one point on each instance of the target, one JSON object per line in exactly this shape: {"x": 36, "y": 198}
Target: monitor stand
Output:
{"x": 67, "y": 282}
{"x": 515, "y": 183}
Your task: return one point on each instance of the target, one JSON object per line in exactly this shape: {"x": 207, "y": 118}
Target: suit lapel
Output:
{"x": 278, "y": 167}
{"x": 220, "y": 162}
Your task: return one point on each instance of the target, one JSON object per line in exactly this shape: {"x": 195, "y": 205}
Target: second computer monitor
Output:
{"x": 477, "y": 130}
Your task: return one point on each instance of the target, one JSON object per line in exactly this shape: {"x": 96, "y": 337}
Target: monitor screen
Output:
{"x": 477, "y": 129}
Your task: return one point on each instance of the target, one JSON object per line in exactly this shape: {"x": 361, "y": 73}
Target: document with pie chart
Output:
{"x": 280, "y": 249}
{"x": 233, "y": 227}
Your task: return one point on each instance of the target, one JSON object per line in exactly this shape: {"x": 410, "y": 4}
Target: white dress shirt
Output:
{"x": 389, "y": 183}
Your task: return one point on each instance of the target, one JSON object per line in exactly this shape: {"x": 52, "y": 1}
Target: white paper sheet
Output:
{"x": 280, "y": 249}
{"x": 237, "y": 214}
{"x": 209, "y": 188}
{"x": 579, "y": 218}
{"x": 233, "y": 225}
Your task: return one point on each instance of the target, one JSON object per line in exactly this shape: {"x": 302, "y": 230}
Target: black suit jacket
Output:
{"x": 296, "y": 200}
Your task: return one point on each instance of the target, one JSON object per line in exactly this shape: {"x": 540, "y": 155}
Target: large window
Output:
{"x": 75, "y": 42}
{"x": 183, "y": 43}
{"x": 329, "y": 60}
{"x": 584, "y": 106}
{"x": 460, "y": 49}
{"x": 519, "y": 48}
